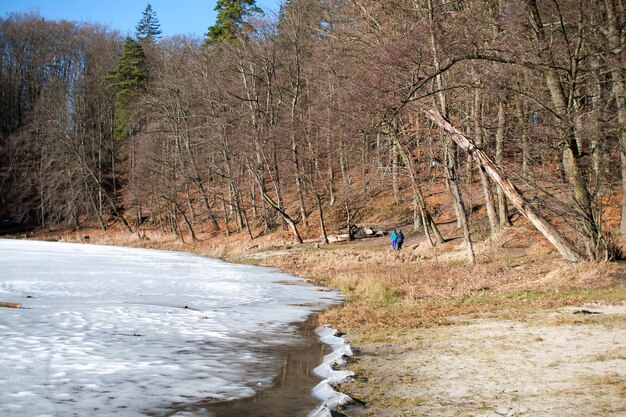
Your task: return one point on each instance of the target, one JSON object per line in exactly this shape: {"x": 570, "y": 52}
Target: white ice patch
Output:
{"x": 323, "y": 391}
{"x": 104, "y": 330}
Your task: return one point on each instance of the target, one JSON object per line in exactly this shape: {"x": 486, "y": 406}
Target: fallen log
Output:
{"x": 10, "y": 305}
{"x": 342, "y": 237}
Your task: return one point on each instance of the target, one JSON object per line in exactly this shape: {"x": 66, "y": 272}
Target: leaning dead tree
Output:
{"x": 564, "y": 246}
{"x": 282, "y": 212}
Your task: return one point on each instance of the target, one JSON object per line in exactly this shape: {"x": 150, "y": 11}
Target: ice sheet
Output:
{"x": 106, "y": 331}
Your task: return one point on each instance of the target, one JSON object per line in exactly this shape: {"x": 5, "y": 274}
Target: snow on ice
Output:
{"x": 129, "y": 332}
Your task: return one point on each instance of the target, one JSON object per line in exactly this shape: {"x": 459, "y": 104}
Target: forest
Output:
{"x": 300, "y": 121}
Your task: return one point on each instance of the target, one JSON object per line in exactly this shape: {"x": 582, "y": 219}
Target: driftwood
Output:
{"x": 368, "y": 232}
{"x": 342, "y": 237}
{"x": 564, "y": 246}
{"x": 355, "y": 232}
{"x": 10, "y": 305}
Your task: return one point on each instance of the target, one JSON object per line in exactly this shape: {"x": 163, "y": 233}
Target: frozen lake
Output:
{"x": 129, "y": 332}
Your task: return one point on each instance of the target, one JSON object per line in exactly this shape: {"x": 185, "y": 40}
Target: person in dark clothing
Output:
{"x": 399, "y": 240}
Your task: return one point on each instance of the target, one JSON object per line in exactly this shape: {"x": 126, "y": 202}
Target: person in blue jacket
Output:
{"x": 399, "y": 239}
{"x": 394, "y": 238}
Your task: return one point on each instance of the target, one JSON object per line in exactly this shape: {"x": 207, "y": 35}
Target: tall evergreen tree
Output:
{"x": 231, "y": 16}
{"x": 128, "y": 79}
{"x": 148, "y": 27}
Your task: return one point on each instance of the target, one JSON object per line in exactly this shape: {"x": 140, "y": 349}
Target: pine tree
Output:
{"x": 128, "y": 79}
{"x": 148, "y": 27}
{"x": 231, "y": 16}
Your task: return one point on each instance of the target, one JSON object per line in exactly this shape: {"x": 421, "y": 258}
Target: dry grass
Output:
{"x": 515, "y": 273}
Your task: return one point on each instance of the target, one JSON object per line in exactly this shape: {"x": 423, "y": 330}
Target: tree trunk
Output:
{"x": 615, "y": 46}
{"x": 458, "y": 200}
{"x": 225, "y": 211}
{"x": 565, "y": 247}
{"x": 331, "y": 174}
{"x": 323, "y": 235}
{"x": 394, "y": 173}
{"x": 245, "y": 217}
{"x": 234, "y": 205}
{"x": 487, "y": 192}
{"x": 441, "y": 97}
{"x": 192, "y": 234}
{"x": 10, "y": 305}
{"x": 426, "y": 224}
{"x": 503, "y": 210}
{"x": 192, "y": 212}
{"x": 253, "y": 204}
{"x": 290, "y": 222}
{"x": 299, "y": 183}
{"x": 522, "y": 122}
{"x": 622, "y": 228}
{"x": 596, "y": 136}
{"x": 276, "y": 179}
{"x": 565, "y": 108}
{"x": 348, "y": 218}
{"x": 417, "y": 192}
{"x": 343, "y": 164}
{"x": 417, "y": 217}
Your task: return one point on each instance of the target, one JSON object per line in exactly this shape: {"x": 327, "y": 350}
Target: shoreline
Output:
{"x": 397, "y": 321}
{"x": 290, "y": 391}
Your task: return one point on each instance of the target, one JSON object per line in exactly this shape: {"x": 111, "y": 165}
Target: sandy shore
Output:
{"x": 563, "y": 362}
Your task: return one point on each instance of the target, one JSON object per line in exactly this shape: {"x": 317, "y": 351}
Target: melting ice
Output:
{"x": 129, "y": 332}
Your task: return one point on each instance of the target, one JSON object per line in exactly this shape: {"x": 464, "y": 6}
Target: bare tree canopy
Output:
{"x": 303, "y": 121}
